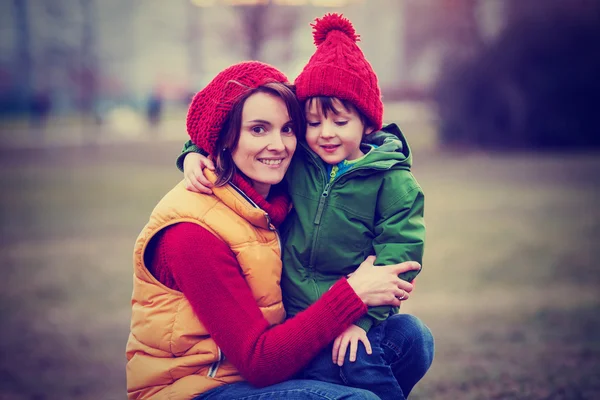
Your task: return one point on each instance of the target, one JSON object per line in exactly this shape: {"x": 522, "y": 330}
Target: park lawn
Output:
{"x": 509, "y": 285}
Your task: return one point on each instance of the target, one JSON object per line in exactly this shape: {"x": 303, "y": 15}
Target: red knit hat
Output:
{"x": 211, "y": 105}
{"x": 339, "y": 69}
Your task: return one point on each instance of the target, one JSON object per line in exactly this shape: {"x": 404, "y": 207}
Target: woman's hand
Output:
{"x": 350, "y": 336}
{"x": 380, "y": 286}
{"x": 195, "y": 181}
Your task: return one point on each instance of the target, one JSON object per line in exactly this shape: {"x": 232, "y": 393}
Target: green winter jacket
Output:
{"x": 374, "y": 208}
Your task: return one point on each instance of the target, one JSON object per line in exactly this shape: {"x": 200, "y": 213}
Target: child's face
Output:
{"x": 335, "y": 136}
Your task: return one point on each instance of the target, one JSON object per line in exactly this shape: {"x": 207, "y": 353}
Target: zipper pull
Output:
{"x": 324, "y": 196}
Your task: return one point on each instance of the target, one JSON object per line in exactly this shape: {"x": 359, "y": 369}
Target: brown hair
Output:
{"x": 230, "y": 133}
{"x": 326, "y": 105}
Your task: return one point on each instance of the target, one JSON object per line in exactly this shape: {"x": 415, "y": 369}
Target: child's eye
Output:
{"x": 313, "y": 124}
{"x": 258, "y": 129}
{"x": 288, "y": 130}
{"x": 341, "y": 123}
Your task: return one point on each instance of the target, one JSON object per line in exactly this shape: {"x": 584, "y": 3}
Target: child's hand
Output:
{"x": 195, "y": 181}
{"x": 351, "y": 336}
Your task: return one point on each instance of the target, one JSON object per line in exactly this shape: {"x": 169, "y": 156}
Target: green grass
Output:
{"x": 509, "y": 286}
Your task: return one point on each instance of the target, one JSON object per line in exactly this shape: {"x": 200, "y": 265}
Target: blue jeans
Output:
{"x": 295, "y": 389}
{"x": 402, "y": 353}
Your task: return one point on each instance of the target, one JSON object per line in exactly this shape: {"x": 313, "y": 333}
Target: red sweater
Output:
{"x": 189, "y": 258}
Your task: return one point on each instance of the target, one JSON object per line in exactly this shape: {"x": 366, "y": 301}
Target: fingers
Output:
{"x": 200, "y": 181}
{"x": 353, "y": 343}
{"x": 189, "y": 186}
{"x": 207, "y": 162}
{"x": 371, "y": 259}
{"x": 367, "y": 344}
{"x": 342, "y": 353}
{"x": 405, "y": 286}
{"x": 336, "y": 349}
{"x": 392, "y": 301}
{"x": 353, "y": 349}
{"x": 405, "y": 267}
{"x": 193, "y": 185}
{"x": 402, "y": 294}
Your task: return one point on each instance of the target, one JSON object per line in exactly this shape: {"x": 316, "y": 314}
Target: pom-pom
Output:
{"x": 332, "y": 22}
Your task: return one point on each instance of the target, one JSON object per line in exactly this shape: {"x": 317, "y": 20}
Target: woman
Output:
{"x": 206, "y": 305}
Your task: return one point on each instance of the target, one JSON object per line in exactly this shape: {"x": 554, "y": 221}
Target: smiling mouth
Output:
{"x": 330, "y": 147}
{"x": 269, "y": 161}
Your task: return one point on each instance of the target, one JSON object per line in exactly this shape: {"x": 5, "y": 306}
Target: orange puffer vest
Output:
{"x": 170, "y": 354}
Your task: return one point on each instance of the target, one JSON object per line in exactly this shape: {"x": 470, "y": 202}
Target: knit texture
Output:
{"x": 338, "y": 68}
{"x": 210, "y": 106}
{"x": 189, "y": 258}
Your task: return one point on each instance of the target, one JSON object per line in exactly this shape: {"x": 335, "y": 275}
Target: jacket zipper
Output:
{"x": 311, "y": 267}
{"x": 321, "y": 207}
{"x": 212, "y": 371}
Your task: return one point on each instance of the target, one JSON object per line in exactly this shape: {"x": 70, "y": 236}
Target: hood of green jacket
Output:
{"x": 391, "y": 150}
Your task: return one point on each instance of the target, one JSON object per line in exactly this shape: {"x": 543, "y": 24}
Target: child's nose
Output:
{"x": 327, "y": 132}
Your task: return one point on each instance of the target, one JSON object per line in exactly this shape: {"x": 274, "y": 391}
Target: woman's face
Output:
{"x": 267, "y": 141}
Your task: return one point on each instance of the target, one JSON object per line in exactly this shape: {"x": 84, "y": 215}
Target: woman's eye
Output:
{"x": 288, "y": 130}
{"x": 341, "y": 123}
{"x": 313, "y": 124}
{"x": 258, "y": 129}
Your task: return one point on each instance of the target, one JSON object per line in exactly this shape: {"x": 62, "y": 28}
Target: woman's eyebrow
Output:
{"x": 258, "y": 121}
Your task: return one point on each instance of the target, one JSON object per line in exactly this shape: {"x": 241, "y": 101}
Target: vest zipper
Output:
{"x": 212, "y": 371}
{"x": 267, "y": 216}
{"x": 244, "y": 195}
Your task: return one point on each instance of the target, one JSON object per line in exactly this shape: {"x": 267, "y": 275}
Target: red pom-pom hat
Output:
{"x": 338, "y": 68}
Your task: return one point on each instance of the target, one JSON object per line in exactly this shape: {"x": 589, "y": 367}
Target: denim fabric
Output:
{"x": 296, "y": 389}
{"x": 402, "y": 353}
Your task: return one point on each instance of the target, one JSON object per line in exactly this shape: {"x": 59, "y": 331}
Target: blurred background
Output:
{"x": 498, "y": 98}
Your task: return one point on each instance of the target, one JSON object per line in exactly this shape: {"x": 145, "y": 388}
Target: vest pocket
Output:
{"x": 214, "y": 367}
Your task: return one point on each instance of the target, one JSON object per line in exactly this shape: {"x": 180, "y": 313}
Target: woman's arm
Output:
{"x": 222, "y": 300}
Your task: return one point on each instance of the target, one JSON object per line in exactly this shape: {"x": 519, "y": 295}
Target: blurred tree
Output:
{"x": 265, "y": 21}
{"x": 254, "y": 19}
{"x": 88, "y": 85}
{"x": 193, "y": 41}
{"x": 23, "y": 64}
{"x": 535, "y": 87}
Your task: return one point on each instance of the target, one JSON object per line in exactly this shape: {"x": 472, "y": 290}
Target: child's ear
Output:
{"x": 369, "y": 130}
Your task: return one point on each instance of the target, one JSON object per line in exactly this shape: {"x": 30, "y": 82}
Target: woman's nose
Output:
{"x": 276, "y": 143}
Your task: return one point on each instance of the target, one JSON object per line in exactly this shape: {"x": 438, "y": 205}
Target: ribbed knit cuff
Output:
{"x": 188, "y": 147}
{"x": 365, "y": 323}
{"x": 344, "y": 301}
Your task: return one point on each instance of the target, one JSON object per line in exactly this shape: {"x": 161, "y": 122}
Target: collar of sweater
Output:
{"x": 277, "y": 205}
{"x": 240, "y": 196}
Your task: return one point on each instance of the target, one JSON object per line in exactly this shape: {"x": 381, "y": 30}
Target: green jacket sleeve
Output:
{"x": 400, "y": 231}
{"x": 188, "y": 147}
{"x": 365, "y": 322}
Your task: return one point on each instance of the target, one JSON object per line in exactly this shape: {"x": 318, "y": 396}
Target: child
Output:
{"x": 353, "y": 195}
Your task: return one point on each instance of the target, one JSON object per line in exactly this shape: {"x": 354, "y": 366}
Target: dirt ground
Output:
{"x": 509, "y": 286}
